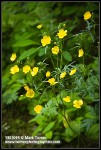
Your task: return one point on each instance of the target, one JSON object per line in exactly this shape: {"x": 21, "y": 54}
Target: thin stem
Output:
{"x": 61, "y": 55}
{"x": 57, "y": 61}
{"x": 52, "y": 61}
{"x": 43, "y": 92}
{"x": 55, "y": 95}
{"x": 83, "y": 67}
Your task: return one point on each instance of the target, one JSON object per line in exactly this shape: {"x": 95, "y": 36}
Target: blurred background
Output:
{"x": 19, "y": 21}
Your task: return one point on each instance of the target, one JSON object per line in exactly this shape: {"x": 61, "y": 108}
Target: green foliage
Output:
{"x": 48, "y": 127}
{"x": 93, "y": 132}
{"x": 27, "y": 53}
{"x": 59, "y": 118}
{"x": 67, "y": 56}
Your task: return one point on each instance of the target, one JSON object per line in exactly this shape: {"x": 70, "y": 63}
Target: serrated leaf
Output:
{"x": 67, "y": 56}
{"x": 27, "y": 53}
{"x": 49, "y": 134}
{"x": 25, "y": 43}
{"x": 48, "y": 127}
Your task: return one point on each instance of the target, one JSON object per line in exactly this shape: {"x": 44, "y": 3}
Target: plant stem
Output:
{"x": 57, "y": 61}
{"x": 61, "y": 55}
{"x": 52, "y": 61}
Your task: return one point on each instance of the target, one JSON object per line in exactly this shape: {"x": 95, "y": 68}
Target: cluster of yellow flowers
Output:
{"x": 25, "y": 69}
{"x": 46, "y": 40}
{"x": 62, "y": 75}
{"x": 76, "y": 103}
{"x": 33, "y": 71}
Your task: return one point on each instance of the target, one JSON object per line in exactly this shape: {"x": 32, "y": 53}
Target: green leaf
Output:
{"x": 39, "y": 128}
{"x": 27, "y": 53}
{"x": 67, "y": 56}
{"x": 41, "y": 51}
{"x": 39, "y": 119}
{"x": 93, "y": 132}
{"x": 22, "y": 97}
{"x": 25, "y": 43}
{"x": 49, "y": 134}
{"x": 69, "y": 135}
{"x": 48, "y": 127}
{"x": 76, "y": 126}
{"x": 25, "y": 36}
{"x": 88, "y": 115}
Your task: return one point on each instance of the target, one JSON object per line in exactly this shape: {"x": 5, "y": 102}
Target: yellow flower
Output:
{"x": 62, "y": 75}
{"x": 45, "y": 40}
{"x": 62, "y": 33}
{"x": 77, "y": 103}
{"x": 38, "y": 109}
{"x": 81, "y": 52}
{"x": 26, "y": 88}
{"x": 14, "y": 69}
{"x": 26, "y": 69}
{"x": 48, "y": 74}
{"x": 73, "y": 71}
{"x": 55, "y": 50}
{"x": 52, "y": 81}
{"x": 30, "y": 93}
{"x": 13, "y": 57}
{"x": 39, "y": 26}
{"x": 87, "y": 15}
{"x": 34, "y": 71}
{"x": 67, "y": 99}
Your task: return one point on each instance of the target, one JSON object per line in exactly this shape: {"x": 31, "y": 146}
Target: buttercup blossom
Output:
{"x": 87, "y": 15}
{"x": 13, "y": 57}
{"x": 48, "y": 74}
{"x": 26, "y": 69}
{"x": 81, "y": 52}
{"x": 52, "y": 81}
{"x": 34, "y": 71}
{"x": 26, "y": 87}
{"x": 73, "y": 71}
{"x": 55, "y": 50}
{"x": 62, "y": 33}
{"x": 30, "y": 93}
{"x": 39, "y": 26}
{"x": 38, "y": 109}
{"x": 77, "y": 103}
{"x": 62, "y": 75}
{"x": 67, "y": 99}
{"x": 14, "y": 69}
{"x": 45, "y": 40}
